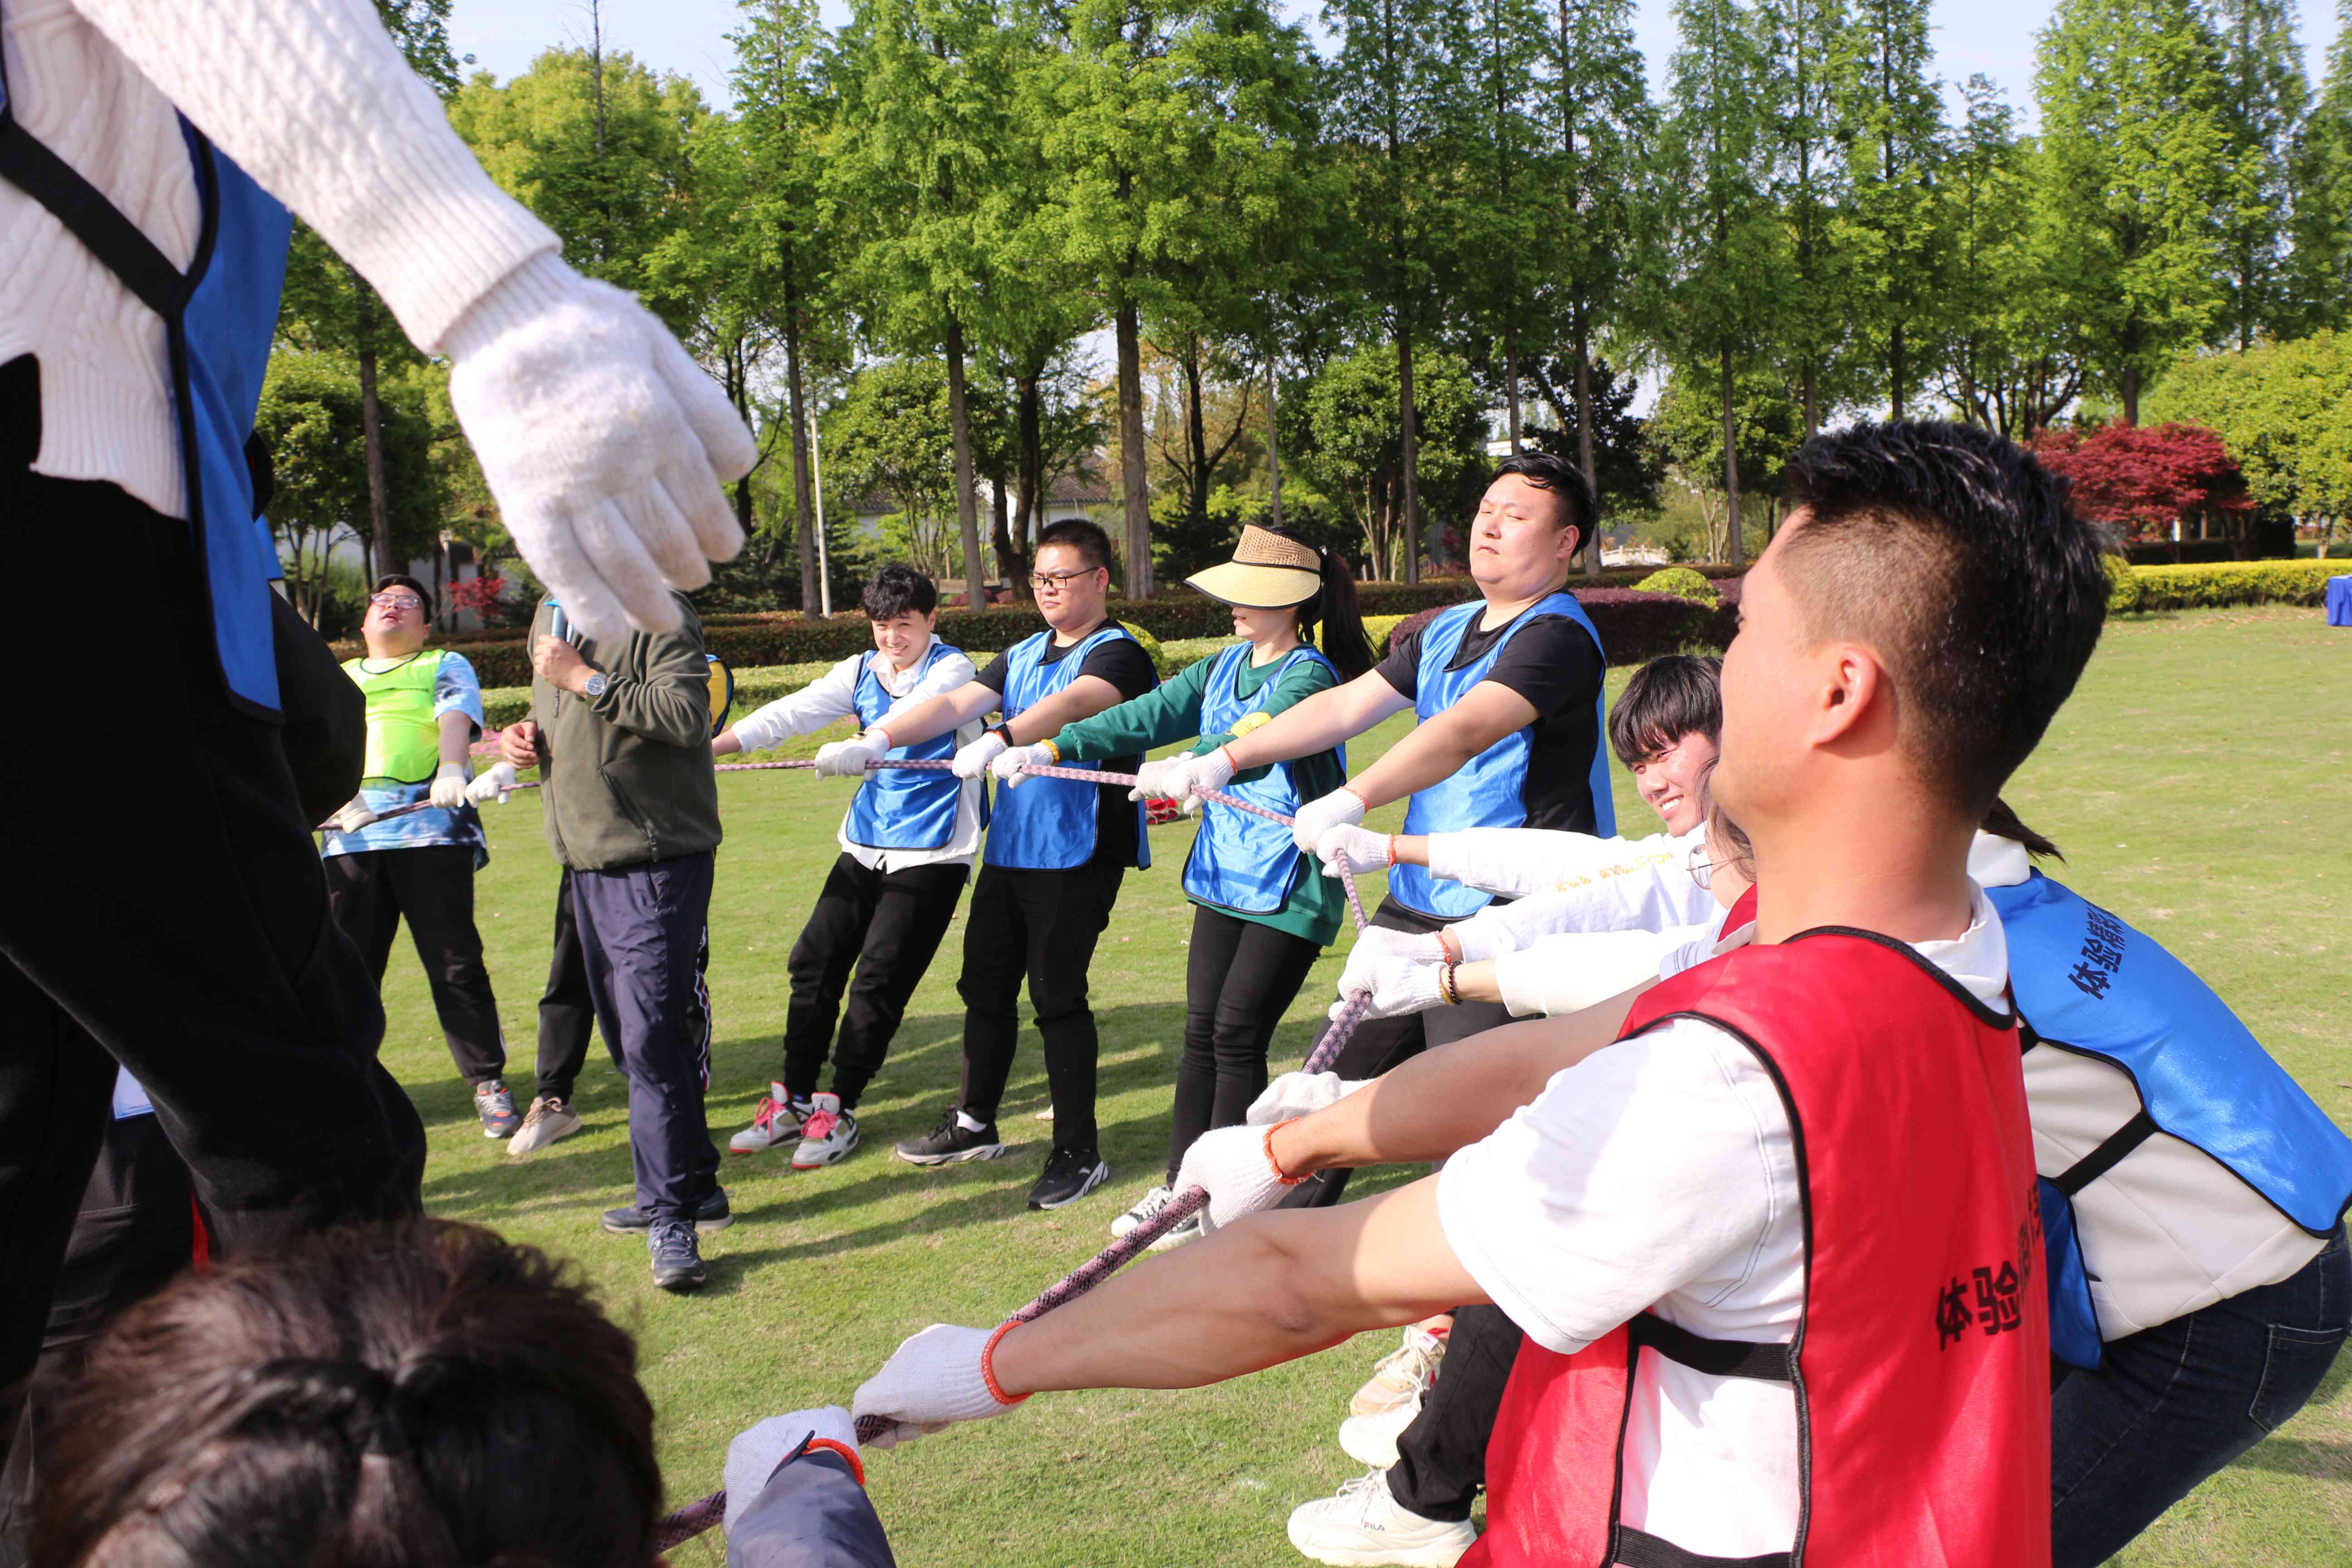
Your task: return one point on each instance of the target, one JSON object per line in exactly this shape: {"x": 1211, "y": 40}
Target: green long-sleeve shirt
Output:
{"x": 1172, "y": 711}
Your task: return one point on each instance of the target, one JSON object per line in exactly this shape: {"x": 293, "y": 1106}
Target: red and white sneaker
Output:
{"x": 777, "y": 1122}
{"x": 827, "y": 1134}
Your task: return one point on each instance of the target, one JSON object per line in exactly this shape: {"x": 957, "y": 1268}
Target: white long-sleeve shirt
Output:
{"x": 313, "y": 99}
{"x": 832, "y": 696}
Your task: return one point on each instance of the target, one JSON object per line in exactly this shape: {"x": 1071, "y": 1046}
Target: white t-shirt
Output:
{"x": 1569, "y": 882}
{"x": 1660, "y": 1174}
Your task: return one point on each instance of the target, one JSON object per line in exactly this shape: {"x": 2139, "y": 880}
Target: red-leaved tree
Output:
{"x": 479, "y": 595}
{"x": 2137, "y": 480}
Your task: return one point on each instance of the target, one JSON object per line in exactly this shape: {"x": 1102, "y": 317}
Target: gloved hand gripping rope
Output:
{"x": 697, "y": 1517}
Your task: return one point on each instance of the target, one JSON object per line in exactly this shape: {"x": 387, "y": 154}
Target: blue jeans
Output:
{"x": 2174, "y": 1404}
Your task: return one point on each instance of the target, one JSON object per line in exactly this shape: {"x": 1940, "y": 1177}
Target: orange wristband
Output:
{"x": 988, "y": 1368}
{"x": 1284, "y": 1177}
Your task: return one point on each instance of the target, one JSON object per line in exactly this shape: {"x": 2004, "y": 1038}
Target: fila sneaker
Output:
{"x": 1401, "y": 1376}
{"x": 1372, "y": 1439}
{"x": 1364, "y": 1527}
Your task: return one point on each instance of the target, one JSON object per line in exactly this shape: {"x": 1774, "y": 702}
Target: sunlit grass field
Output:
{"x": 2197, "y": 781}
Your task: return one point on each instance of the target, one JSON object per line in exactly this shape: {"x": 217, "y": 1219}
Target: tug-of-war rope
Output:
{"x": 691, "y": 1521}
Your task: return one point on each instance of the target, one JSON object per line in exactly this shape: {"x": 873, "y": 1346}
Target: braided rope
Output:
{"x": 682, "y": 1525}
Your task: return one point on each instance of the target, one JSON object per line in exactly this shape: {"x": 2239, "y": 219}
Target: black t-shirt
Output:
{"x": 1554, "y": 663}
{"x": 1123, "y": 663}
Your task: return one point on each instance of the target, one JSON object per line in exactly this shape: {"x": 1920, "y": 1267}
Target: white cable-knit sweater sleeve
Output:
{"x": 313, "y": 100}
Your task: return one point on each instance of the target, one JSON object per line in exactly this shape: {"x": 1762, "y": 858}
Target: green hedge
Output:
{"x": 2224, "y": 583}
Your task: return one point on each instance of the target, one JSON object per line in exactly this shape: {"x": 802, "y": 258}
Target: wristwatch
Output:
{"x": 594, "y": 687}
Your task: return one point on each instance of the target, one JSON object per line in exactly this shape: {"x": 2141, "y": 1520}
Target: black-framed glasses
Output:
{"x": 1041, "y": 581}
{"x": 395, "y": 601}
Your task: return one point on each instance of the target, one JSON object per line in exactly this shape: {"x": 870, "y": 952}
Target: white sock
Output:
{"x": 968, "y": 1123}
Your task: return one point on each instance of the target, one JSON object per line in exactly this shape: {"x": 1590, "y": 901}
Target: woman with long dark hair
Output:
{"x": 1261, "y": 914}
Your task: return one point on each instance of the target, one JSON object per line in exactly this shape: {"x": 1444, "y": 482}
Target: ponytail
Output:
{"x": 1344, "y": 641}
{"x": 2002, "y": 822}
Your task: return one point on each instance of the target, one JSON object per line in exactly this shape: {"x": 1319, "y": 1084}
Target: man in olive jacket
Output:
{"x": 623, "y": 734}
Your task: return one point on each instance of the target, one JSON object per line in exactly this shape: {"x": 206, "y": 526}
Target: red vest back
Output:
{"x": 1923, "y": 1436}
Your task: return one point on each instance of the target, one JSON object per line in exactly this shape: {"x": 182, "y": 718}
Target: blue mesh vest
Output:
{"x": 1486, "y": 791}
{"x": 218, "y": 318}
{"x": 902, "y": 808}
{"x": 1048, "y": 824}
{"x": 2087, "y": 982}
{"x": 1241, "y": 862}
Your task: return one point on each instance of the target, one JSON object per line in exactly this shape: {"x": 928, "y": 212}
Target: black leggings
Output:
{"x": 1240, "y": 979}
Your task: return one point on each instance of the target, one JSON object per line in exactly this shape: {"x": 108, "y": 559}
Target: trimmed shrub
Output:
{"x": 1682, "y": 584}
{"x": 2234, "y": 583}
{"x": 1151, "y": 645}
{"x": 2123, "y": 585}
{"x": 1634, "y": 627}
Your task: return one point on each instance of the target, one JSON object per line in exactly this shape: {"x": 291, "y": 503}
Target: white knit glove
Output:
{"x": 1483, "y": 936}
{"x": 1399, "y": 985}
{"x": 1376, "y": 944}
{"x": 1353, "y": 848}
{"x": 938, "y": 1376}
{"x": 1008, "y": 762}
{"x": 604, "y": 444}
{"x": 1231, "y": 1163}
{"x": 1319, "y": 815}
{"x": 847, "y": 759}
{"x": 1183, "y": 779}
{"x": 972, "y": 761}
{"x": 754, "y": 1456}
{"x": 1298, "y": 1094}
{"x": 354, "y": 816}
{"x": 499, "y": 781}
{"x": 448, "y": 786}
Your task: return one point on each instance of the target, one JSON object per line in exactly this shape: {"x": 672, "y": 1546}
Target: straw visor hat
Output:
{"x": 1267, "y": 573}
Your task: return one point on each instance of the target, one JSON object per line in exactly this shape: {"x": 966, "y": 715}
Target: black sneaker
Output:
{"x": 712, "y": 1216}
{"x": 949, "y": 1143}
{"x": 678, "y": 1260}
{"x": 1070, "y": 1174}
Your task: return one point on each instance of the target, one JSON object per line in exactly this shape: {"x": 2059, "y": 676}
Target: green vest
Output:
{"x": 404, "y": 738}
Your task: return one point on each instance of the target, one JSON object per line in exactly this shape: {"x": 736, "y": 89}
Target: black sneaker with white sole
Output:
{"x": 714, "y": 1214}
{"x": 1070, "y": 1174}
{"x": 950, "y": 1142}
{"x": 676, "y": 1256}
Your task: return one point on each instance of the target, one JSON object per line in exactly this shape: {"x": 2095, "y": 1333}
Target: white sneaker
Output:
{"x": 547, "y": 1119}
{"x": 1177, "y": 1234}
{"x": 1147, "y": 1209}
{"x": 1401, "y": 1376}
{"x": 776, "y": 1123}
{"x": 1363, "y": 1527}
{"x": 827, "y": 1134}
{"x": 1372, "y": 1439}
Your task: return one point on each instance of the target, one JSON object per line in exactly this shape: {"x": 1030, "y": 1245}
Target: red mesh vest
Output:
{"x": 1921, "y": 1362}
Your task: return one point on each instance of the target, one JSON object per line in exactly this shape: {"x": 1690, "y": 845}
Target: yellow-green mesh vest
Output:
{"x": 404, "y": 739}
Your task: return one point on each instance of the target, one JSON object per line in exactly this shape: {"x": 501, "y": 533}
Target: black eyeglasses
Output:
{"x": 1041, "y": 581}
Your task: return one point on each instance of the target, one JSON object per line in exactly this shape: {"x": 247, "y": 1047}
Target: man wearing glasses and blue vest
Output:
{"x": 1057, "y": 850}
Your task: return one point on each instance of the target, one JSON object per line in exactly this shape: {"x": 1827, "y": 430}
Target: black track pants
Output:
{"x": 1240, "y": 977}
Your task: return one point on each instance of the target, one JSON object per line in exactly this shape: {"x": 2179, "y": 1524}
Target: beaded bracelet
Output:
{"x": 1445, "y": 986}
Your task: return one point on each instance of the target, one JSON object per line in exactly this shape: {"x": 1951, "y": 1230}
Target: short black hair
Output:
{"x": 1669, "y": 697}
{"x": 1959, "y": 557}
{"x": 899, "y": 590}
{"x": 402, "y": 580}
{"x": 1088, "y": 539}
{"x": 1562, "y": 479}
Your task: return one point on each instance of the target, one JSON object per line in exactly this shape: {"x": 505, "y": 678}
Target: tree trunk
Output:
{"x": 1813, "y": 400}
{"x": 1584, "y": 438}
{"x": 1511, "y": 381}
{"x": 1273, "y": 450}
{"x": 372, "y": 429}
{"x": 975, "y": 576}
{"x": 1131, "y": 470}
{"x": 2131, "y": 394}
{"x": 1029, "y": 417}
{"x": 1894, "y": 369}
{"x": 1737, "y": 551}
{"x": 1406, "y": 423}
{"x": 804, "y": 512}
{"x": 1000, "y": 532}
{"x": 1196, "y": 439}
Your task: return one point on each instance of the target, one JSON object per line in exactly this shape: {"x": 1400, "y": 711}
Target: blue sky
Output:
{"x": 1994, "y": 37}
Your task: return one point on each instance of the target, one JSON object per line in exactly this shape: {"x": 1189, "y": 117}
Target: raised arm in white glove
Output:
{"x": 847, "y": 759}
{"x": 939, "y": 1376}
{"x": 1319, "y": 815}
{"x": 972, "y": 761}
{"x": 1232, "y": 1164}
{"x": 1183, "y": 779}
{"x": 1399, "y": 984}
{"x": 1007, "y": 765}
{"x": 1298, "y": 1094}
{"x": 1354, "y": 850}
{"x": 500, "y": 781}
{"x": 354, "y": 816}
{"x": 448, "y": 786}
{"x": 1376, "y": 943}
{"x": 754, "y": 1456}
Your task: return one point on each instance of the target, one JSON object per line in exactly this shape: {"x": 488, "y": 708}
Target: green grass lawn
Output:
{"x": 2196, "y": 783}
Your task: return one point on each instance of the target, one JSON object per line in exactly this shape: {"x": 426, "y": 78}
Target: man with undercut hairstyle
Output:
{"x": 1777, "y": 1250}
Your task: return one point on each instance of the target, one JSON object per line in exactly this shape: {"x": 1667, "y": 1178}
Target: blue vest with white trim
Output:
{"x": 1488, "y": 791}
{"x": 1048, "y": 824}
{"x": 218, "y": 318}
{"x": 2087, "y": 982}
{"x": 1241, "y": 862}
{"x": 902, "y": 808}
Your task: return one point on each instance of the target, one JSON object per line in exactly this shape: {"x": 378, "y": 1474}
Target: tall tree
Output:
{"x": 926, "y": 95}
{"x": 2264, "y": 98}
{"x": 1502, "y": 230}
{"x": 1890, "y": 118}
{"x": 1597, "y": 123}
{"x": 1721, "y": 230}
{"x": 1800, "y": 40}
{"x": 2320, "y": 273}
{"x": 2134, "y": 142}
